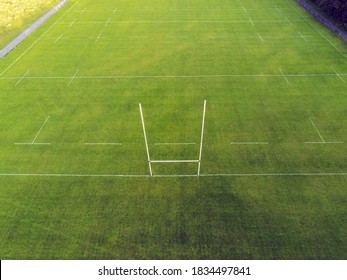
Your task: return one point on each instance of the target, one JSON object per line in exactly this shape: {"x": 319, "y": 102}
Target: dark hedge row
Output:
{"x": 336, "y": 9}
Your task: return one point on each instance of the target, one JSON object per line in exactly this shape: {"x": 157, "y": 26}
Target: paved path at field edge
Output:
{"x": 11, "y": 46}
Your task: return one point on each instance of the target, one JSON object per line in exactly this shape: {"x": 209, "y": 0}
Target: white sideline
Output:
{"x": 177, "y": 76}
{"x": 177, "y": 21}
{"x": 342, "y": 174}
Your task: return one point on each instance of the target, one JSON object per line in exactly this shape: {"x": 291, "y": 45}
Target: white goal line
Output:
{"x": 302, "y": 75}
{"x": 337, "y": 174}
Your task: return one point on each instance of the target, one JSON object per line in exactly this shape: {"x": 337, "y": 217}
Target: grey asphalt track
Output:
{"x": 11, "y": 46}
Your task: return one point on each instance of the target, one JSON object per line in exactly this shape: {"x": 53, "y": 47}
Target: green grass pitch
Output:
{"x": 75, "y": 181}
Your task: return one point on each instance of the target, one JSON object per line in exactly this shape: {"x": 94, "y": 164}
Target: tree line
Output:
{"x": 336, "y": 9}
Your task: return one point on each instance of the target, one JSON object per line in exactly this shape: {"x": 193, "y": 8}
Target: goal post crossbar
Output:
{"x": 175, "y": 161}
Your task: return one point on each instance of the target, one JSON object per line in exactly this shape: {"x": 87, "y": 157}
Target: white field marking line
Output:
{"x": 59, "y": 38}
{"x": 284, "y": 76}
{"x": 275, "y": 175}
{"x": 175, "y": 161}
{"x": 30, "y": 47}
{"x": 137, "y": 37}
{"x": 175, "y": 176}
{"x": 146, "y": 142}
{"x": 218, "y": 37}
{"x": 177, "y": 76}
{"x": 177, "y": 36}
{"x": 249, "y": 143}
{"x": 260, "y": 37}
{"x": 105, "y": 144}
{"x": 82, "y": 12}
{"x": 106, "y": 24}
{"x": 98, "y": 38}
{"x": 178, "y": 21}
{"x": 303, "y": 37}
{"x": 33, "y": 142}
{"x": 202, "y": 137}
{"x": 315, "y": 127}
{"x": 338, "y": 74}
{"x": 26, "y": 73}
{"x": 173, "y": 144}
{"x": 288, "y": 20}
{"x": 337, "y": 142}
{"x": 244, "y": 9}
{"x": 72, "y": 23}
{"x": 317, "y": 30}
{"x": 115, "y": 10}
{"x": 251, "y": 21}
{"x": 158, "y": 176}
{"x": 73, "y": 77}
{"x": 40, "y": 130}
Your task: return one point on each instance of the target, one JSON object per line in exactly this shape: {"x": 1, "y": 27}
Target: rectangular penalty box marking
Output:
{"x": 150, "y": 161}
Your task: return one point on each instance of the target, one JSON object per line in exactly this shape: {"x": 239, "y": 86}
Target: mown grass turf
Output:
{"x": 269, "y": 74}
